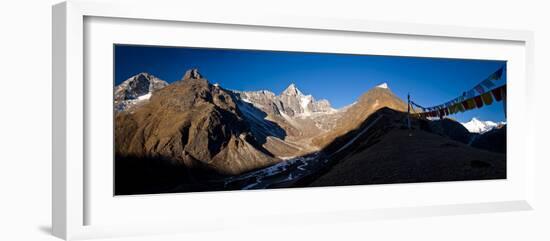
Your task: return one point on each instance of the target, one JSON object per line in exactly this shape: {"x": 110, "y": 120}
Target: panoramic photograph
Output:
{"x": 190, "y": 119}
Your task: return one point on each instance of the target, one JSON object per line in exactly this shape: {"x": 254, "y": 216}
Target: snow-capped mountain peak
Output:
{"x": 383, "y": 86}
{"x": 478, "y": 126}
{"x": 291, "y": 102}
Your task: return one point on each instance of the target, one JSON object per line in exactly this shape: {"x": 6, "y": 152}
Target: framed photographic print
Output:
{"x": 281, "y": 118}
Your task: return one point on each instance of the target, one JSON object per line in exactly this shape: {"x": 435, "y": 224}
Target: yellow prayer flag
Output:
{"x": 487, "y": 98}
{"x": 460, "y": 107}
{"x": 471, "y": 104}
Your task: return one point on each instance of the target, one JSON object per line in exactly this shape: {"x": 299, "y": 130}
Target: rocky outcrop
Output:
{"x": 192, "y": 74}
{"x": 135, "y": 90}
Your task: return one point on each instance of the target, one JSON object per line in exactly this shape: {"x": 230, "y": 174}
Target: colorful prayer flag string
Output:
{"x": 483, "y": 94}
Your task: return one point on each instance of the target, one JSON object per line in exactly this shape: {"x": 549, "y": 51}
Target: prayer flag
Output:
{"x": 487, "y": 98}
{"x": 471, "y": 103}
{"x": 479, "y": 101}
{"x": 497, "y": 93}
{"x": 460, "y": 107}
{"x": 480, "y": 89}
{"x": 470, "y": 93}
{"x": 497, "y": 75}
{"x": 465, "y": 105}
{"x": 488, "y": 83}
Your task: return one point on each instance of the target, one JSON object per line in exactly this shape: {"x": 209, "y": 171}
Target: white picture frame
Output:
{"x": 71, "y": 189}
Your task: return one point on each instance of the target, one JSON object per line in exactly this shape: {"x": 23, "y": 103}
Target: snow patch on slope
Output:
{"x": 144, "y": 97}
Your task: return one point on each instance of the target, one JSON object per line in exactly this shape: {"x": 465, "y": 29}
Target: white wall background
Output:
{"x": 25, "y": 119}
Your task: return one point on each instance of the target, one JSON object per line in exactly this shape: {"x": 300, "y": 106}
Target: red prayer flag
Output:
{"x": 465, "y": 105}
{"x": 497, "y": 93}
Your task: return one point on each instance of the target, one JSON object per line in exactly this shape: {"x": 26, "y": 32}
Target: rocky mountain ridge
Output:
{"x": 291, "y": 102}
{"x": 136, "y": 90}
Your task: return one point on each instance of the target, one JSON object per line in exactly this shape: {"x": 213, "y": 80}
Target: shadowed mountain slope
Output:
{"x": 493, "y": 140}
{"x": 382, "y": 150}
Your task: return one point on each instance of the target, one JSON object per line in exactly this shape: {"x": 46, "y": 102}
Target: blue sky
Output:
{"x": 340, "y": 78}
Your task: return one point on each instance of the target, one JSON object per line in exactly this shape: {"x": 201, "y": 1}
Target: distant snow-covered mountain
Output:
{"x": 478, "y": 126}
{"x": 291, "y": 102}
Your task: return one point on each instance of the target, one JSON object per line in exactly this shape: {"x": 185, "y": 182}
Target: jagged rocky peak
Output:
{"x": 137, "y": 86}
{"x": 291, "y": 102}
{"x": 135, "y": 90}
{"x": 292, "y": 90}
{"x": 192, "y": 74}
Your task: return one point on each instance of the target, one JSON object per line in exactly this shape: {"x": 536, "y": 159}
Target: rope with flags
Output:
{"x": 483, "y": 94}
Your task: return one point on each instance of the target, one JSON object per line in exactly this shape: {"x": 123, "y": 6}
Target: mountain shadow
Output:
{"x": 260, "y": 126}
{"x": 383, "y": 151}
{"x": 449, "y": 128}
{"x": 493, "y": 140}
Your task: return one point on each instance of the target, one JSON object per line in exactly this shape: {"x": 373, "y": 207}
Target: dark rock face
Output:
{"x": 191, "y": 123}
{"x": 192, "y": 74}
